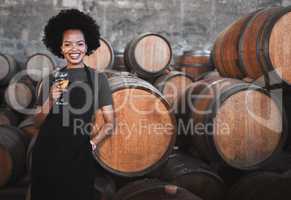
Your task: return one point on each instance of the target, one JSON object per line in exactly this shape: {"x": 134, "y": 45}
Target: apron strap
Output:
{"x": 91, "y": 79}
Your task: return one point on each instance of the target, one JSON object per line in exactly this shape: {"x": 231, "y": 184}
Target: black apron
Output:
{"x": 63, "y": 166}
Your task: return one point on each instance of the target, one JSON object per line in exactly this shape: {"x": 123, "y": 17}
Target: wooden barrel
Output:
{"x": 234, "y": 121}
{"x": 261, "y": 45}
{"x": 209, "y": 75}
{"x": 119, "y": 64}
{"x": 8, "y": 117}
{"x": 225, "y": 53}
{"x": 261, "y": 185}
{"x": 173, "y": 85}
{"x": 14, "y": 191}
{"x": 281, "y": 164}
{"x": 153, "y": 189}
{"x": 8, "y": 68}
{"x": 143, "y": 117}
{"x": 39, "y": 66}
{"x": 248, "y": 184}
{"x": 279, "y": 189}
{"x": 12, "y": 154}
{"x": 193, "y": 175}
{"x": 105, "y": 186}
{"x": 20, "y": 95}
{"x": 258, "y": 47}
{"x": 101, "y": 59}
{"x": 28, "y": 128}
{"x": 148, "y": 55}
{"x": 194, "y": 63}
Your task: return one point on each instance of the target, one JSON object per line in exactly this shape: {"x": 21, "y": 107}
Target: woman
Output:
{"x": 63, "y": 166}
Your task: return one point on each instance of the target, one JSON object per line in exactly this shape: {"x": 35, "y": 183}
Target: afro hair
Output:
{"x": 70, "y": 19}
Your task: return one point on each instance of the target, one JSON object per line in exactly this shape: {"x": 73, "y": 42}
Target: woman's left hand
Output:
{"x": 106, "y": 130}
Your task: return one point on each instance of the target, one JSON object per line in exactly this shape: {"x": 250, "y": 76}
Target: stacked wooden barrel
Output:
{"x": 143, "y": 117}
{"x": 234, "y": 121}
{"x": 8, "y": 68}
{"x": 12, "y": 154}
{"x": 148, "y": 55}
{"x": 253, "y": 47}
{"x": 103, "y": 58}
{"x": 18, "y": 83}
{"x": 194, "y": 175}
{"x": 20, "y": 94}
{"x": 28, "y": 128}
{"x": 194, "y": 63}
{"x": 119, "y": 64}
{"x": 173, "y": 86}
{"x": 262, "y": 185}
{"x": 244, "y": 125}
{"x": 39, "y": 66}
{"x": 17, "y": 98}
{"x": 153, "y": 189}
{"x": 8, "y": 117}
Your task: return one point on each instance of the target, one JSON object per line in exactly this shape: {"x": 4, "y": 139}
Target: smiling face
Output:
{"x": 74, "y": 47}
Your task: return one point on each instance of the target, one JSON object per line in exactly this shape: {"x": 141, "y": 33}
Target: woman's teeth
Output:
{"x": 74, "y": 55}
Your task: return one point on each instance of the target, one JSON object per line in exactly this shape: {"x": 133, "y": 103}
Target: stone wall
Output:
{"x": 188, "y": 24}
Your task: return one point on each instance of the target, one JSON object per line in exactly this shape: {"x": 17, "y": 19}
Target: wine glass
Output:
{"x": 61, "y": 77}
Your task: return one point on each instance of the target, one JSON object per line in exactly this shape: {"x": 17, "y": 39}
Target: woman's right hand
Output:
{"x": 56, "y": 91}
